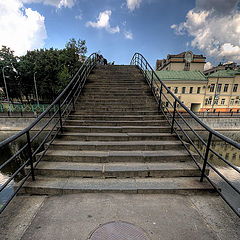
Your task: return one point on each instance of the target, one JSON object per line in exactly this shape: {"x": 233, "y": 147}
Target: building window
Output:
{"x": 215, "y": 102}
{"x": 219, "y": 87}
{"x": 187, "y": 66}
{"x": 176, "y": 90}
{"x": 212, "y": 86}
{"x": 183, "y": 89}
{"x": 235, "y": 87}
{"x": 223, "y": 101}
{"x": 232, "y": 101}
{"x": 191, "y": 90}
{"x": 208, "y": 101}
{"x": 198, "y": 90}
{"x": 225, "y": 87}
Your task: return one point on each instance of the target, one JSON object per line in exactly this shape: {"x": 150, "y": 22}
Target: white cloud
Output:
{"x": 21, "y": 28}
{"x": 128, "y": 35}
{"x": 214, "y": 31}
{"x": 207, "y": 66}
{"x": 55, "y": 3}
{"x": 103, "y": 22}
{"x": 133, "y": 4}
{"x": 79, "y": 17}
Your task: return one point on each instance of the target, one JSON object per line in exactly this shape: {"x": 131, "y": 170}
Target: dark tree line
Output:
{"x": 53, "y": 69}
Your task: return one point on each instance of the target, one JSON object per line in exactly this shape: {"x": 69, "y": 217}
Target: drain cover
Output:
{"x": 118, "y": 231}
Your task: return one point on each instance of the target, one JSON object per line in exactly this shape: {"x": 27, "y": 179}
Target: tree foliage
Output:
{"x": 53, "y": 69}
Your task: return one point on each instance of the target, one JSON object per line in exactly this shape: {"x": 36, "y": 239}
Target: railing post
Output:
{"x": 206, "y": 156}
{"x": 60, "y": 116}
{"x": 30, "y": 155}
{"x": 152, "y": 81}
{"x": 73, "y": 102}
{"x": 160, "y": 98}
{"x": 173, "y": 117}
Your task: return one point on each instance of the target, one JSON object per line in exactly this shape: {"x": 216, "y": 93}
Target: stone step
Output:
{"x": 97, "y": 84}
{"x": 116, "y": 117}
{"x": 117, "y": 136}
{"x": 117, "y": 156}
{"x": 116, "y": 103}
{"x": 56, "y": 186}
{"x": 123, "y": 109}
{"x": 117, "y": 98}
{"x": 115, "y": 91}
{"x": 116, "y": 123}
{"x": 117, "y": 95}
{"x": 116, "y": 146}
{"x": 116, "y": 113}
{"x": 117, "y": 129}
{"x": 117, "y": 170}
{"x": 119, "y": 87}
{"x": 115, "y": 79}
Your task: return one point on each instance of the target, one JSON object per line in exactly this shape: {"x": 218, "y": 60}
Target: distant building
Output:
{"x": 223, "y": 91}
{"x": 225, "y": 66}
{"x": 216, "y": 90}
{"x": 188, "y": 86}
{"x": 185, "y": 61}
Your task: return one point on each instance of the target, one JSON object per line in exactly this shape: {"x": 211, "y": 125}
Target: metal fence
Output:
{"x": 178, "y": 115}
{"x": 59, "y": 110}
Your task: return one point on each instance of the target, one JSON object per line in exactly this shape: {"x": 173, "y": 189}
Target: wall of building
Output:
{"x": 231, "y": 99}
{"x": 188, "y": 98}
{"x": 197, "y": 66}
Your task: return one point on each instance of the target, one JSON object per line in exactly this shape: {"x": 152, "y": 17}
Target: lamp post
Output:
{"x": 35, "y": 85}
{"x": 5, "y": 83}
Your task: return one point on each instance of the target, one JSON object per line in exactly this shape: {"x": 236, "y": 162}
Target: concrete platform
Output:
{"x": 163, "y": 217}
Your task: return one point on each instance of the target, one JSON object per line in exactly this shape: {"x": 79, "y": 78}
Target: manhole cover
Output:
{"x": 118, "y": 231}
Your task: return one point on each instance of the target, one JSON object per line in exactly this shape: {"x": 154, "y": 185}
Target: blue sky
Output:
{"x": 119, "y": 28}
{"x": 150, "y": 26}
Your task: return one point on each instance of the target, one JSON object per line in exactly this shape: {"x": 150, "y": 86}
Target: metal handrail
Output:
{"x": 158, "y": 86}
{"x": 65, "y": 103}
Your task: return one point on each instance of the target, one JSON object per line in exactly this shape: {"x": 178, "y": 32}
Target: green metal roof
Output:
{"x": 181, "y": 75}
{"x": 225, "y": 73}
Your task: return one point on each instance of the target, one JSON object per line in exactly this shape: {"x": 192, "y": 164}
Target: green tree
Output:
{"x": 8, "y": 64}
{"x": 53, "y": 69}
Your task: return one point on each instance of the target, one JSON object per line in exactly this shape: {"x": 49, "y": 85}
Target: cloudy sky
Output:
{"x": 118, "y": 28}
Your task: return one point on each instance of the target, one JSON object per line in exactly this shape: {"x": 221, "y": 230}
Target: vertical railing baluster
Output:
{"x": 60, "y": 116}
{"x": 173, "y": 117}
{"x": 152, "y": 81}
{"x": 30, "y": 155}
{"x": 206, "y": 156}
{"x": 160, "y": 98}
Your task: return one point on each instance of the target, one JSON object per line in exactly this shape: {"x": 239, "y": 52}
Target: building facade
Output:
{"x": 185, "y": 61}
{"x": 218, "y": 91}
{"x": 223, "y": 91}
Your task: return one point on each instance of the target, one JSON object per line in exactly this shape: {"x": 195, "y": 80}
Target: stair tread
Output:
{"x": 119, "y": 166}
{"x": 72, "y": 153}
{"x": 123, "y": 116}
{"x": 120, "y": 143}
{"x": 117, "y": 134}
{"x": 118, "y": 127}
{"x": 132, "y": 184}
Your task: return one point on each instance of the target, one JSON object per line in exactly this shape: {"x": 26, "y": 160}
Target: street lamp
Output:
{"x": 35, "y": 85}
{"x": 5, "y": 84}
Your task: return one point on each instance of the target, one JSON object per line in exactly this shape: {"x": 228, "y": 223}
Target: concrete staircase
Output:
{"x": 116, "y": 141}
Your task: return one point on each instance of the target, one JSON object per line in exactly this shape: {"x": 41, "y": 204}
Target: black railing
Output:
{"x": 50, "y": 123}
{"x": 178, "y": 116}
